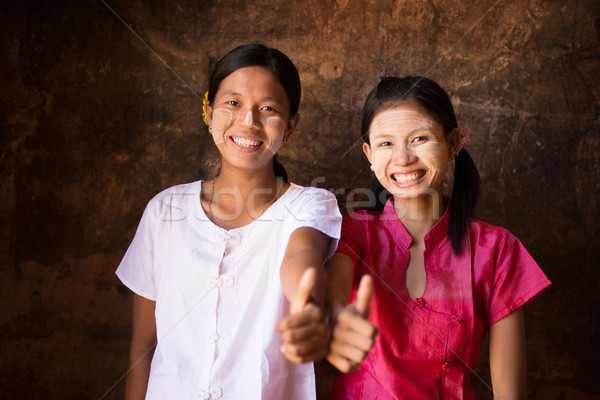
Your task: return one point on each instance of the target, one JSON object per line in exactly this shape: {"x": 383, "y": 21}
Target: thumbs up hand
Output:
{"x": 304, "y": 332}
{"x": 353, "y": 335}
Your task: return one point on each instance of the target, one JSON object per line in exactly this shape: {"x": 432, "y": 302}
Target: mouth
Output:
{"x": 247, "y": 143}
{"x": 409, "y": 178}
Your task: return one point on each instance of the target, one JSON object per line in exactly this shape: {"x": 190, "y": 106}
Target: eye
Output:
{"x": 384, "y": 144}
{"x": 268, "y": 109}
{"x": 420, "y": 139}
{"x": 232, "y": 103}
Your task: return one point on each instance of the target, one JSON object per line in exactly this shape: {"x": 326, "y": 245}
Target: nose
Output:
{"x": 404, "y": 155}
{"x": 249, "y": 118}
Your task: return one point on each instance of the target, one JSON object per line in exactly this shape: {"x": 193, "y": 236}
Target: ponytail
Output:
{"x": 279, "y": 170}
{"x": 465, "y": 194}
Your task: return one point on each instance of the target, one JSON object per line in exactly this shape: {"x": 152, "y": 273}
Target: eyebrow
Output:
{"x": 268, "y": 98}
{"x": 384, "y": 135}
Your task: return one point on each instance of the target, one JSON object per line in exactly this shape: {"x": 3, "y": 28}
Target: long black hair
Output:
{"x": 433, "y": 99}
{"x": 279, "y": 64}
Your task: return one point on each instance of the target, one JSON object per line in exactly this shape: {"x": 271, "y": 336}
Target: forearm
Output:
{"x": 339, "y": 271}
{"x": 138, "y": 374}
{"x": 143, "y": 343}
{"x": 508, "y": 358}
{"x": 307, "y": 248}
{"x": 293, "y": 268}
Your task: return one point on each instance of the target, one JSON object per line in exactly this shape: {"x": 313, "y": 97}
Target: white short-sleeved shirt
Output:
{"x": 219, "y": 296}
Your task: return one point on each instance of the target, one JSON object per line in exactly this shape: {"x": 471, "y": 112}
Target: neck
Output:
{"x": 419, "y": 215}
{"x": 244, "y": 182}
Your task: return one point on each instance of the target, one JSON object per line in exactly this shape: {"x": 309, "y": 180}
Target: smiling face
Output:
{"x": 408, "y": 151}
{"x": 249, "y": 117}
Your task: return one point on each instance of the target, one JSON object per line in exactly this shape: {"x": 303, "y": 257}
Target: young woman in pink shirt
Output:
{"x": 441, "y": 279}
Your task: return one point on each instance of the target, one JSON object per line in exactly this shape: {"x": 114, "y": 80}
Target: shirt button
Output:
{"x": 227, "y": 281}
{"x": 213, "y": 338}
{"x": 455, "y": 320}
{"x": 445, "y": 365}
{"x": 419, "y": 302}
{"x": 202, "y": 395}
{"x": 216, "y": 393}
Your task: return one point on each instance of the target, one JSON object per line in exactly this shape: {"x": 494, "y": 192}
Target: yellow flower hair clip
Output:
{"x": 204, "y": 101}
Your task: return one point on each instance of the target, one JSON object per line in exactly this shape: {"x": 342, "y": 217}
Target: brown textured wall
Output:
{"x": 99, "y": 110}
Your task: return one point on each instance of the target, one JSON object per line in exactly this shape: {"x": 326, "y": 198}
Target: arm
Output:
{"x": 507, "y": 357}
{"x": 353, "y": 335}
{"x": 143, "y": 341}
{"x": 304, "y": 331}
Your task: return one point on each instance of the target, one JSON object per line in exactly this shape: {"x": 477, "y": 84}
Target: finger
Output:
{"x": 304, "y": 290}
{"x": 348, "y": 320}
{"x": 350, "y": 352}
{"x": 363, "y": 295}
{"x": 311, "y": 314}
{"x": 364, "y": 343}
{"x": 341, "y": 363}
{"x": 305, "y": 351}
{"x": 305, "y": 334}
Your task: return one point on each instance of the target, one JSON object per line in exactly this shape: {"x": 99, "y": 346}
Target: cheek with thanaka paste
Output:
{"x": 221, "y": 121}
{"x": 435, "y": 156}
{"x": 380, "y": 159}
{"x": 275, "y": 130}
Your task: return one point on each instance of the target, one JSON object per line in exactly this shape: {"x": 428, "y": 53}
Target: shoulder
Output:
{"x": 175, "y": 197}
{"x": 296, "y": 192}
{"x": 480, "y": 229}
{"x": 362, "y": 218}
{"x": 497, "y": 241}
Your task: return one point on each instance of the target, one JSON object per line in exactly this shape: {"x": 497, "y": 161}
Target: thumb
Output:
{"x": 363, "y": 295}
{"x": 304, "y": 290}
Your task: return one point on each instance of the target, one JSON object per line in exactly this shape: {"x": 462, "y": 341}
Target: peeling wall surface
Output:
{"x": 100, "y": 109}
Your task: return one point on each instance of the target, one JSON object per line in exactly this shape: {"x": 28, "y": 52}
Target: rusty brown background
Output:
{"x": 100, "y": 110}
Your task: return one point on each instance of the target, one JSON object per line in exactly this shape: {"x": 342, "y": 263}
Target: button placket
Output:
{"x": 203, "y": 395}
{"x": 213, "y": 337}
{"x": 216, "y": 393}
{"x": 419, "y": 302}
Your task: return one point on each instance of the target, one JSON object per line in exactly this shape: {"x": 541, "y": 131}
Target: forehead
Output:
{"x": 403, "y": 118}
{"x": 254, "y": 80}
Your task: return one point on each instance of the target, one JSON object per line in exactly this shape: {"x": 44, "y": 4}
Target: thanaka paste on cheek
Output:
{"x": 275, "y": 130}
{"x": 221, "y": 121}
{"x": 380, "y": 159}
{"x": 433, "y": 155}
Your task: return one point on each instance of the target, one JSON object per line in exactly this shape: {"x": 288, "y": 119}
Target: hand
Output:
{"x": 304, "y": 332}
{"x": 353, "y": 335}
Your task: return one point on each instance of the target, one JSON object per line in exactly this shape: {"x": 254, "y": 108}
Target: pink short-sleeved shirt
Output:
{"x": 427, "y": 347}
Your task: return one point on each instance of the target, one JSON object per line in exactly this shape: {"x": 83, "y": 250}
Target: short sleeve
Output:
{"x": 518, "y": 279}
{"x": 352, "y": 242}
{"x": 136, "y": 270}
{"x": 317, "y": 208}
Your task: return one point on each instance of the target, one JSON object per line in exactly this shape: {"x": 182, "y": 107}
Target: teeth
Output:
{"x": 403, "y": 178}
{"x": 246, "y": 142}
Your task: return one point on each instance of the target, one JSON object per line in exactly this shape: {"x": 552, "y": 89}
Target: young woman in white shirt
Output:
{"x": 227, "y": 274}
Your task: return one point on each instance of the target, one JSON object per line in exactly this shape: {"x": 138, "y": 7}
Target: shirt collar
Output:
{"x": 432, "y": 238}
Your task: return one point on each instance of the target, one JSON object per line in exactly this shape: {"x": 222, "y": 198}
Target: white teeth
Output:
{"x": 246, "y": 142}
{"x": 403, "y": 178}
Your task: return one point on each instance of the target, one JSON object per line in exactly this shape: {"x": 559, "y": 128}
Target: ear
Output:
{"x": 453, "y": 142}
{"x": 291, "y": 126}
{"x": 367, "y": 151}
{"x": 209, "y": 113}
